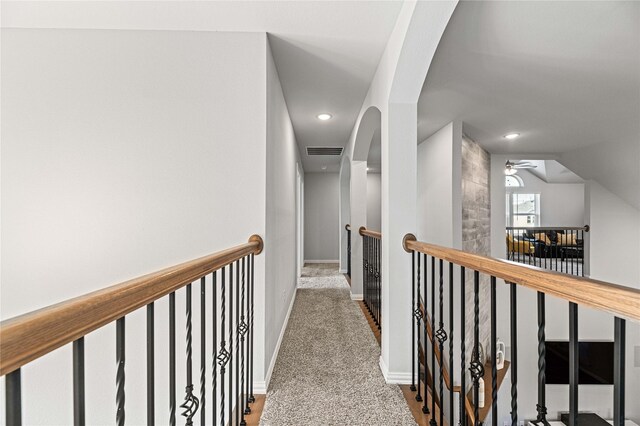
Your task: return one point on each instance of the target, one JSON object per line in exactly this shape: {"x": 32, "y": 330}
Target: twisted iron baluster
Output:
{"x": 542, "y": 353}
{"x": 252, "y": 398}
{"x": 418, "y": 315}
{"x": 191, "y": 403}
{"x": 242, "y": 329}
{"x": 203, "y": 348}
{"x": 451, "y": 376}
{"x": 441, "y": 335}
{"x": 223, "y": 355}
{"x": 120, "y": 356}
{"x": 434, "y": 395}
{"x": 214, "y": 349}
{"x": 413, "y": 330}
{"x": 476, "y": 368}
{"x": 172, "y": 359}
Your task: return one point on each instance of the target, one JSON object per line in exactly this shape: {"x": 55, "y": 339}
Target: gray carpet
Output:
{"x": 320, "y": 269}
{"x": 327, "y": 370}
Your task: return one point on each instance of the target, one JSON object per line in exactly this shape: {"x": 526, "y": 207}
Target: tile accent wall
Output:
{"x": 476, "y": 234}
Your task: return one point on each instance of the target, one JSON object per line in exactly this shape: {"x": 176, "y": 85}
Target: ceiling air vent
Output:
{"x": 325, "y": 150}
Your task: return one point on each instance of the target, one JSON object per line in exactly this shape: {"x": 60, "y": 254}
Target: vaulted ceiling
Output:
{"x": 565, "y": 75}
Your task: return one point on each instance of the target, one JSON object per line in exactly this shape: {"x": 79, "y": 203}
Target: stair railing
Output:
{"x": 371, "y": 273}
{"x": 428, "y": 265}
{"x": 28, "y": 337}
{"x": 559, "y": 248}
{"x": 348, "y": 229}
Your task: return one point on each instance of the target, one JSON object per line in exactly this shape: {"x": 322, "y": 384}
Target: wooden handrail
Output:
{"x": 615, "y": 299}
{"x": 27, "y": 337}
{"x": 550, "y": 228}
{"x": 374, "y": 234}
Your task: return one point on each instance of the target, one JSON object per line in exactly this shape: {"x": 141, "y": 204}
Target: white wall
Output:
{"x": 440, "y": 187}
{"x": 280, "y": 242}
{"x": 321, "y": 217}
{"x": 561, "y": 204}
{"x": 374, "y": 219}
{"x": 124, "y": 152}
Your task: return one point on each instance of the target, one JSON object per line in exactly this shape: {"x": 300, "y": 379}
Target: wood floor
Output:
{"x": 253, "y": 419}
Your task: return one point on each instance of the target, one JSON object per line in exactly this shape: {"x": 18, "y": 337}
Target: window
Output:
{"x": 523, "y": 210}
{"x": 513, "y": 181}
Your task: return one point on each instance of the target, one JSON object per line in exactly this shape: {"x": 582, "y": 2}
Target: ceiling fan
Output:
{"x": 512, "y": 167}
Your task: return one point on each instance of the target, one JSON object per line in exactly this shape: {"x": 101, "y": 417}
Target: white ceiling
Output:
{"x": 565, "y": 75}
{"x": 550, "y": 171}
{"x": 326, "y": 52}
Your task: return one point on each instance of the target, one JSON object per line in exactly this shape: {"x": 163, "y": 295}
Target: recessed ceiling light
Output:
{"x": 324, "y": 116}
{"x": 368, "y": 168}
{"x": 511, "y": 135}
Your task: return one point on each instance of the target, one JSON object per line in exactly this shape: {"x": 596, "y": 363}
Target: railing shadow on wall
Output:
{"x": 558, "y": 249}
{"x": 231, "y": 302}
{"x": 371, "y": 273}
{"x": 433, "y": 265}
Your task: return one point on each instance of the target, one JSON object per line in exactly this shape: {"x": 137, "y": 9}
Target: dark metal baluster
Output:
{"x": 463, "y": 349}
{"x": 151, "y": 414}
{"x": 242, "y": 330}
{"x": 223, "y": 356}
{"x": 451, "y": 375}
{"x": 441, "y": 335}
{"x": 245, "y": 357}
{"x": 238, "y": 409}
{"x": 365, "y": 270}
{"x": 494, "y": 366}
{"x": 252, "y": 398}
{"x": 214, "y": 350}
{"x": 432, "y": 422}
{"x": 78, "y": 382}
{"x": 120, "y": 355}
{"x": 250, "y": 332}
{"x": 541, "y": 406}
{"x": 190, "y": 404}
{"x": 425, "y": 406}
{"x": 203, "y": 348}
{"x": 514, "y": 354}
{"x": 231, "y": 343}
{"x": 476, "y": 368}
{"x": 573, "y": 364}
{"x": 417, "y": 314}
{"x": 13, "y": 398}
{"x": 619, "y": 347}
{"x": 417, "y": 328}
{"x": 172, "y": 359}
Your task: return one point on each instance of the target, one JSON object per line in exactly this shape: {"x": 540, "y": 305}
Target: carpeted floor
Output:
{"x": 320, "y": 269}
{"x": 327, "y": 370}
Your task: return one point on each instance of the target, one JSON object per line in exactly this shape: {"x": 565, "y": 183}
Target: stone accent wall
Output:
{"x": 476, "y": 234}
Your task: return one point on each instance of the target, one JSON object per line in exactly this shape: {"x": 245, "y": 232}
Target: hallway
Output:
{"x": 327, "y": 370}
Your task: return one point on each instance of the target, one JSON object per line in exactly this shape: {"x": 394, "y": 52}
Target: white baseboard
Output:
{"x": 321, "y": 261}
{"x": 343, "y": 271}
{"x": 355, "y": 296}
{"x": 262, "y": 386}
{"x": 394, "y": 378}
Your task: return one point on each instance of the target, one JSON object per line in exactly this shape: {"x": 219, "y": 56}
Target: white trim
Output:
{"x": 394, "y": 378}
{"x": 355, "y": 296}
{"x": 321, "y": 261}
{"x": 343, "y": 271}
{"x": 262, "y": 386}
